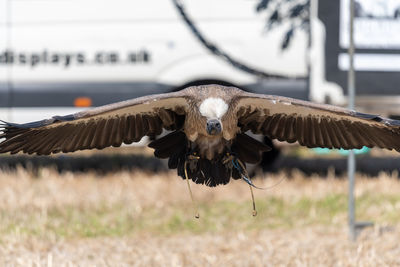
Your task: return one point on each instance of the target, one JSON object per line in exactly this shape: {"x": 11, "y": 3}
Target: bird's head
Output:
{"x": 213, "y": 109}
{"x": 214, "y": 127}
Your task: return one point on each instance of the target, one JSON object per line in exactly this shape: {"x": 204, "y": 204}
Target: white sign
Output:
{"x": 376, "y": 24}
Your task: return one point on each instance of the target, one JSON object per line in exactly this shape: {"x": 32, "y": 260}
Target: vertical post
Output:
{"x": 351, "y": 163}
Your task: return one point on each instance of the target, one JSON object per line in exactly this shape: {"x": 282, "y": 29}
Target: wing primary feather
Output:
{"x": 52, "y": 139}
{"x": 129, "y": 130}
{"x": 305, "y": 131}
{"x": 390, "y": 139}
{"x": 145, "y": 125}
{"x": 113, "y": 138}
{"x": 270, "y": 125}
{"x": 121, "y": 130}
{"x": 13, "y": 146}
{"x": 71, "y": 138}
{"x": 396, "y": 139}
{"x": 157, "y": 125}
{"x": 280, "y": 129}
{"x": 393, "y": 139}
{"x": 28, "y": 136}
{"x": 265, "y": 125}
{"x": 79, "y": 133}
{"x": 312, "y": 141}
{"x": 325, "y": 133}
{"x": 119, "y": 134}
{"x": 54, "y": 144}
{"x": 139, "y": 133}
{"x": 289, "y": 133}
{"x": 105, "y": 133}
{"x": 361, "y": 129}
{"x": 332, "y": 133}
{"x": 342, "y": 143}
{"x": 42, "y": 142}
{"x": 31, "y": 142}
{"x": 371, "y": 133}
{"x": 300, "y": 130}
{"x": 88, "y": 136}
{"x": 275, "y": 125}
{"x": 377, "y": 134}
{"x": 319, "y": 137}
{"x": 98, "y": 133}
{"x": 153, "y": 127}
{"x": 348, "y": 135}
{"x": 84, "y": 135}
{"x": 358, "y": 137}
{"x": 17, "y": 148}
{"x": 13, "y": 137}
{"x": 6, "y": 143}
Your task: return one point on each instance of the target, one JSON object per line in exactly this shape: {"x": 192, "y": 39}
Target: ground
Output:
{"x": 134, "y": 218}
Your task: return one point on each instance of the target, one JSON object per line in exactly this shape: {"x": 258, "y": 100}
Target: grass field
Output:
{"x": 146, "y": 219}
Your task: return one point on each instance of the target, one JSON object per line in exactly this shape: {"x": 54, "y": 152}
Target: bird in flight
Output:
{"x": 207, "y": 140}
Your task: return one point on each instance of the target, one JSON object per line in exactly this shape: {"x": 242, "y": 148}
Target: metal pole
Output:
{"x": 351, "y": 162}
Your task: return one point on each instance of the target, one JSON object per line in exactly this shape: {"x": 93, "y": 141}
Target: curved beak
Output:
{"x": 214, "y": 127}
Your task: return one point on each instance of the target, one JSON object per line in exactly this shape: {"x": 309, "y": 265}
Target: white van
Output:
{"x": 59, "y": 56}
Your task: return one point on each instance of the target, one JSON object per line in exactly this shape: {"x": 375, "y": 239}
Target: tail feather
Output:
{"x": 210, "y": 173}
{"x": 203, "y": 171}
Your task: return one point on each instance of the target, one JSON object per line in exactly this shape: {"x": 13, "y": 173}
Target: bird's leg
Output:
{"x": 246, "y": 177}
{"x": 231, "y": 158}
{"x": 252, "y": 199}
{"x": 190, "y": 158}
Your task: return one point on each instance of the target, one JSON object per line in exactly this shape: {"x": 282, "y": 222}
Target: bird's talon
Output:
{"x": 193, "y": 157}
{"x": 227, "y": 158}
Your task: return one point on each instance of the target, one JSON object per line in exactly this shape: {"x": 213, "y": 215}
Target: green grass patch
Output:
{"x": 121, "y": 220}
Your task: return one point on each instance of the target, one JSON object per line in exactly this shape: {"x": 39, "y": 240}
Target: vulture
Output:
{"x": 207, "y": 140}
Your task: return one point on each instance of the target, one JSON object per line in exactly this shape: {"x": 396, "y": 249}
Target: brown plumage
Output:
{"x": 208, "y": 121}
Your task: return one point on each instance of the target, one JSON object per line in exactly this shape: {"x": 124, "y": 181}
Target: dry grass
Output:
{"x": 143, "y": 219}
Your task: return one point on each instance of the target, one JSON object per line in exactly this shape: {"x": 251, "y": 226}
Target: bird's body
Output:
{"x": 212, "y": 104}
{"x": 209, "y": 104}
{"x": 207, "y": 129}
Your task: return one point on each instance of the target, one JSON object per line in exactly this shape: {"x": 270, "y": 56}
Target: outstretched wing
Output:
{"x": 314, "y": 125}
{"x": 110, "y": 125}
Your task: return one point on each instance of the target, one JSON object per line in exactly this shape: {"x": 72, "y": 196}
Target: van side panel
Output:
{"x": 116, "y": 50}
{"x": 4, "y": 69}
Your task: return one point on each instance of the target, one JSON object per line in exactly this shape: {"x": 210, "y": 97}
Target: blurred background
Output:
{"x": 58, "y": 57}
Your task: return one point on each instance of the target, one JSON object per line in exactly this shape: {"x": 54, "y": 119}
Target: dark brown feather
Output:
{"x": 130, "y": 129}
{"x": 139, "y": 127}
{"x": 109, "y": 125}
{"x": 314, "y": 125}
{"x": 289, "y": 130}
{"x": 248, "y": 149}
